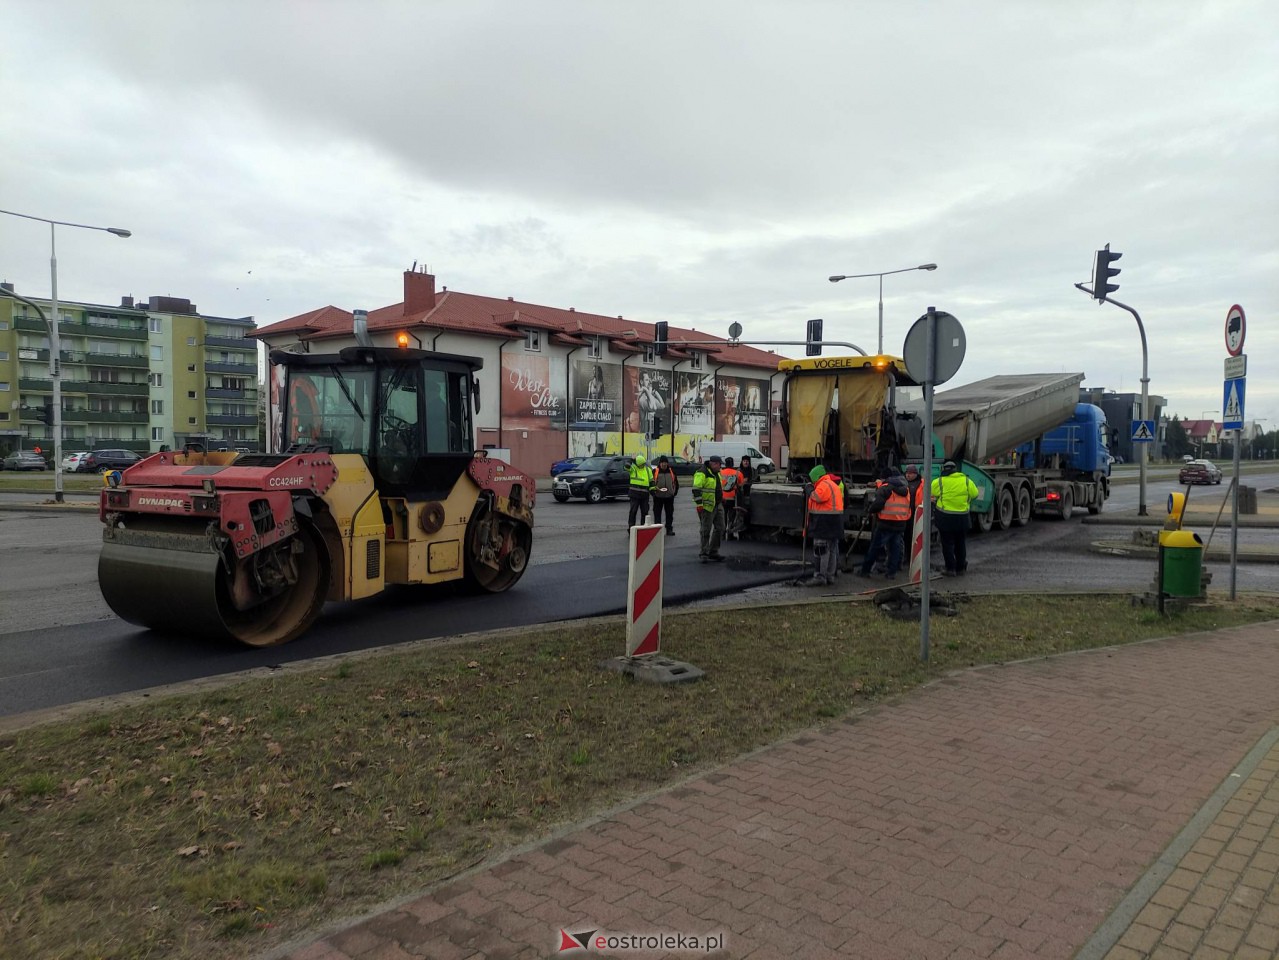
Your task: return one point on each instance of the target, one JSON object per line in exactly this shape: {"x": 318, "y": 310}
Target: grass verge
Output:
{"x": 217, "y": 825}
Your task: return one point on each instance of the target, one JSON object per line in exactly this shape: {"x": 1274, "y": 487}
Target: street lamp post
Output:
{"x": 55, "y": 341}
{"x": 858, "y": 276}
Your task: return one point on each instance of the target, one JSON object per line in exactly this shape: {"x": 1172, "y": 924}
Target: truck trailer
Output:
{"x": 1024, "y": 439}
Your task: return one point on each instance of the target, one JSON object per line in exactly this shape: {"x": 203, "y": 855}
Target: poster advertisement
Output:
{"x": 595, "y": 396}
{"x": 648, "y": 393}
{"x": 695, "y": 403}
{"x": 743, "y": 410}
{"x": 533, "y": 389}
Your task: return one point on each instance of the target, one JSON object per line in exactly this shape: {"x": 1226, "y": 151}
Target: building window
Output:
{"x": 4, "y": 417}
{"x": 157, "y": 406}
{"x": 155, "y": 379}
{"x": 4, "y": 354}
{"x": 4, "y": 385}
{"x": 153, "y": 324}
{"x": 190, "y": 368}
{"x": 4, "y": 324}
{"x": 650, "y": 355}
{"x": 595, "y": 350}
{"x": 191, "y": 420}
{"x": 190, "y": 341}
{"x": 157, "y": 352}
{"x": 190, "y": 394}
{"x": 533, "y": 341}
{"x": 157, "y": 433}
{"x": 695, "y": 361}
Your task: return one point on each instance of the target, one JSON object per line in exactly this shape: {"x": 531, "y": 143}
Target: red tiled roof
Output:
{"x": 494, "y": 317}
{"x": 1197, "y": 428}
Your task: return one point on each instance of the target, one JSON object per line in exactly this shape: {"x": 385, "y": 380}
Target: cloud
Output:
{"x": 702, "y": 163}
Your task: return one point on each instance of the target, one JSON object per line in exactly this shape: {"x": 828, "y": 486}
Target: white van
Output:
{"x": 736, "y": 449}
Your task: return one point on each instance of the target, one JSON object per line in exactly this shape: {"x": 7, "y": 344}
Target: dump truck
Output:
{"x": 1024, "y": 439}
{"x": 375, "y": 482}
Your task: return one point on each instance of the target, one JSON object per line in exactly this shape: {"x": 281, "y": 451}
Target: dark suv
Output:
{"x": 595, "y": 479}
{"x": 104, "y": 461}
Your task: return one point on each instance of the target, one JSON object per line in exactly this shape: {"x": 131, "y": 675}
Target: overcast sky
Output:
{"x": 697, "y": 162}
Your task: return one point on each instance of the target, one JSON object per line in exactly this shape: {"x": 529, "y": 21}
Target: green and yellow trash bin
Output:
{"x": 1182, "y": 563}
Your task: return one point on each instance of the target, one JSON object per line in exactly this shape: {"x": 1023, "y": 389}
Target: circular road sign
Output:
{"x": 1236, "y": 326}
{"x": 734, "y": 330}
{"x": 949, "y": 347}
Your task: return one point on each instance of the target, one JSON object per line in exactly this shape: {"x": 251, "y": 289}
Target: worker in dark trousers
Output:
{"x": 708, "y": 495}
{"x": 953, "y": 493}
{"x": 641, "y": 484}
{"x": 665, "y": 487}
{"x": 891, "y": 509}
{"x": 913, "y": 482}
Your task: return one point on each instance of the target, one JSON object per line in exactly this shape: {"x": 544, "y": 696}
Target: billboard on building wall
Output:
{"x": 743, "y": 408}
{"x": 695, "y": 403}
{"x": 648, "y": 392}
{"x": 533, "y": 392}
{"x": 595, "y": 396}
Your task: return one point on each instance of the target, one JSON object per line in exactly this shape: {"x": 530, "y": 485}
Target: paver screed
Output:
{"x": 1001, "y": 812}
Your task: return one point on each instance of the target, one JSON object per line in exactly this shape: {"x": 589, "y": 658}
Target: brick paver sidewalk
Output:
{"x": 1004, "y": 812}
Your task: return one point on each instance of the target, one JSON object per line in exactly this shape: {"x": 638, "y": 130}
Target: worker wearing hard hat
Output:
{"x": 641, "y": 485}
{"x": 953, "y": 493}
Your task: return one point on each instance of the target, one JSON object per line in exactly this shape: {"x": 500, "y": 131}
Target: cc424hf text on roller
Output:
{"x": 1024, "y": 439}
{"x": 375, "y": 481}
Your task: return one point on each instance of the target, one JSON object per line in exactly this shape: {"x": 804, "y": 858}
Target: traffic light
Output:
{"x": 1102, "y": 271}
{"x": 45, "y": 414}
{"x": 814, "y": 338}
{"x": 661, "y": 332}
{"x": 655, "y": 427}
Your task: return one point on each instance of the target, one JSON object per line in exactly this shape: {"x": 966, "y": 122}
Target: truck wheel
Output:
{"x": 1067, "y": 504}
{"x": 984, "y": 522}
{"x": 1005, "y": 509}
{"x": 594, "y": 493}
{"x": 1025, "y": 504}
{"x": 1095, "y": 508}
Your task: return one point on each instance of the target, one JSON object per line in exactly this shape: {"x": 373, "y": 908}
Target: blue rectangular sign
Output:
{"x": 1232, "y": 404}
{"x": 1143, "y": 431}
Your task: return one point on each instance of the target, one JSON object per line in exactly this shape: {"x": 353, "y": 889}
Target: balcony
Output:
{"x": 93, "y": 359}
{"x": 224, "y": 393}
{"x": 109, "y": 332}
{"x": 237, "y": 420}
{"x": 114, "y": 360}
{"x": 40, "y": 386}
{"x": 242, "y": 369}
{"x": 106, "y": 389}
{"x": 30, "y": 324}
{"x": 236, "y": 343}
{"x": 104, "y": 416}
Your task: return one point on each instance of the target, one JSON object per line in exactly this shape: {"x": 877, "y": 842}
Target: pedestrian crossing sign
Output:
{"x": 1232, "y": 404}
{"x": 1143, "y": 431}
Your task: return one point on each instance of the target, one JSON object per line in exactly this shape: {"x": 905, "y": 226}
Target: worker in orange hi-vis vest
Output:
{"x": 729, "y": 478}
{"x": 825, "y": 524}
{"x": 892, "y": 510}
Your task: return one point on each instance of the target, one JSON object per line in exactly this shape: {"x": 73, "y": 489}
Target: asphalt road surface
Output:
{"x": 59, "y": 643}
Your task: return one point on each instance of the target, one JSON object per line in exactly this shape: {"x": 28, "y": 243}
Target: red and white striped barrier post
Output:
{"x": 644, "y": 590}
{"x": 917, "y": 558}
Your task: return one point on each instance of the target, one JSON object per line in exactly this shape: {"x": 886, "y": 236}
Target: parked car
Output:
{"x": 24, "y": 460}
{"x": 1199, "y": 471}
{"x": 559, "y": 466}
{"x": 594, "y": 479}
{"x": 104, "y": 461}
{"x": 682, "y": 466}
{"x": 71, "y": 461}
{"x": 1187, "y": 458}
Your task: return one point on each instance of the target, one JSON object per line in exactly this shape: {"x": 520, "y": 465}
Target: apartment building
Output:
{"x": 141, "y": 375}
